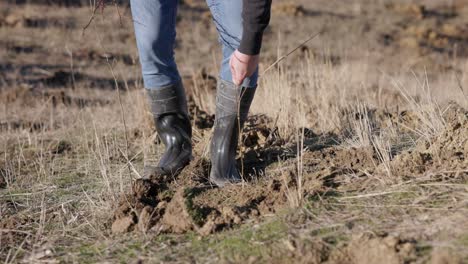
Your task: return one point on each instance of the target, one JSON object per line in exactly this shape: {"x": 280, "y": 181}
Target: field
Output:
{"x": 355, "y": 150}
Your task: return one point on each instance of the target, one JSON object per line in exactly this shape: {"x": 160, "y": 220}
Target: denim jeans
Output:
{"x": 155, "y": 31}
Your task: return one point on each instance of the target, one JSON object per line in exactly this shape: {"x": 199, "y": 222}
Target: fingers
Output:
{"x": 238, "y": 70}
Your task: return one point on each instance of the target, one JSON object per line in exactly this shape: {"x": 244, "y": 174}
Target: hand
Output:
{"x": 242, "y": 66}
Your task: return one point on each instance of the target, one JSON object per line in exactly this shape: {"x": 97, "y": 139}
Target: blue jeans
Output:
{"x": 155, "y": 31}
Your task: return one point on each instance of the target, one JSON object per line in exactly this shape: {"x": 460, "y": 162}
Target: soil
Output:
{"x": 448, "y": 150}
{"x": 189, "y": 202}
{"x": 365, "y": 248}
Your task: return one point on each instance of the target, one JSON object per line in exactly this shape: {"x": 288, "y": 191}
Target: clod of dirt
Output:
{"x": 412, "y": 10}
{"x": 449, "y": 148}
{"x": 176, "y": 218}
{"x": 184, "y": 214}
{"x": 288, "y": 8}
{"x": 257, "y": 134}
{"x": 307, "y": 252}
{"x": 144, "y": 220}
{"x": 365, "y": 248}
{"x": 325, "y": 168}
{"x": 123, "y": 225}
{"x": 142, "y": 207}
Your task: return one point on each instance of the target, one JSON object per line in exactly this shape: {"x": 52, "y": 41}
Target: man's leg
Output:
{"x": 227, "y": 16}
{"x": 155, "y": 22}
{"x": 155, "y": 31}
{"x": 232, "y": 102}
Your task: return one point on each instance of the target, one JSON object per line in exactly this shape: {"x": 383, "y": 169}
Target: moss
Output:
{"x": 86, "y": 253}
{"x": 197, "y": 214}
{"x": 244, "y": 243}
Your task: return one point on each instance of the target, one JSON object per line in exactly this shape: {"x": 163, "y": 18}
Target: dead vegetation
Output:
{"x": 342, "y": 162}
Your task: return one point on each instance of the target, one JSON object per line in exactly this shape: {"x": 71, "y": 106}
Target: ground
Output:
{"x": 354, "y": 152}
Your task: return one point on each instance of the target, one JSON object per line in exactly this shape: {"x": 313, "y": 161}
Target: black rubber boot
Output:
{"x": 232, "y": 108}
{"x": 169, "y": 108}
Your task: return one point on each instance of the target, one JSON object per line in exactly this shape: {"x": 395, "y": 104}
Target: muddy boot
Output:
{"x": 232, "y": 107}
{"x": 169, "y": 108}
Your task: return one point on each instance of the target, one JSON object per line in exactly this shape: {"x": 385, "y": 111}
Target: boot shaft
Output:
{"x": 233, "y": 100}
{"x": 168, "y": 100}
{"x": 169, "y": 108}
{"x": 232, "y": 107}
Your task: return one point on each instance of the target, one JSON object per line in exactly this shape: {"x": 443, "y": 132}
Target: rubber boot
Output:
{"x": 232, "y": 107}
{"x": 169, "y": 108}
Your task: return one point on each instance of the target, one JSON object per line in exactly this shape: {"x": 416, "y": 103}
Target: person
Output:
{"x": 240, "y": 25}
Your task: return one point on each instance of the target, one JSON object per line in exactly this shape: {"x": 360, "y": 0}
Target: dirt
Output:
{"x": 191, "y": 203}
{"x": 289, "y": 9}
{"x": 444, "y": 152}
{"x": 366, "y": 248}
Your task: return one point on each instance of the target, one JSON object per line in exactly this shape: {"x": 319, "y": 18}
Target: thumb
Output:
{"x": 235, "y": 79}
{"x": 235, "y": 75}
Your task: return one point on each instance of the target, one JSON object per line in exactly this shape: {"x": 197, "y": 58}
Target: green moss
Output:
{"x": 244, "y": 243}
{"x": 197, "y": 214}
{"x": 86, "y": 253}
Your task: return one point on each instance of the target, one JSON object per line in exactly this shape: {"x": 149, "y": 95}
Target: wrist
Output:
{"x": 245, "y": 58}
{"x": 236, "y": 56}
